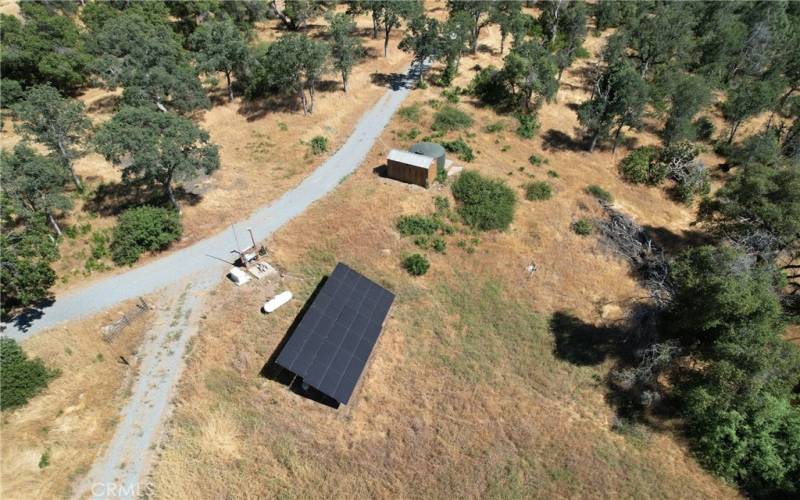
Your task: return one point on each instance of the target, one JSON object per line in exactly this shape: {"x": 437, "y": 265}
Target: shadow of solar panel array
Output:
{"x": 333, "y": 341}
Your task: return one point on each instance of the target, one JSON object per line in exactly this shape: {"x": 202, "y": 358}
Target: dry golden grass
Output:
{"x": 75, "y": 417}
{"x": 465, "y": 396}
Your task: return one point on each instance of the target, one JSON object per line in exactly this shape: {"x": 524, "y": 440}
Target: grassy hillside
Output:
{"x": 487, "y": 381}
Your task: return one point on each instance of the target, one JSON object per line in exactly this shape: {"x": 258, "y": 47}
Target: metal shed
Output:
{"x": 411, "y": 167}
{"x": 435, "y": 151}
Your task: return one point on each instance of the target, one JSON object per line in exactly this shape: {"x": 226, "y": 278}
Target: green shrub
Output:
{"x": 722, "y": 148}
{"x": 451, "y": 95}
{"x": 583, "y": 227}
{"x": 485, "y": 204}
{"x": 536, "y": 160}
{"x": 704, "y": 129}
{"x": 22, "y": 378}
{"x": 488, "y": 87}
{"x": 493, "y": 128}
{"x": 599, "y": 193}
{"x": 460, "y": 148}
{"x": 422, "y": 241}
{"x": 441, "y": 175}
{"x": 410, "y": 113}
{"x": 319, "y": 145}
{"x": 441, "y": 203}
{"x": 409, "y": 135}
{"x": 538, "y": 190}
{"x": 450, "y": 118}
{"x": 416, "y": 264}
{"x": 528, "y": 126}
{"x": 283, "y": 127}
{"x": 144, "y": 229}
{"x": 553, "y": 174}
{"x": 44, "y": 460}
{"x": 412, "y": 225}
{"x": 641, "y": 166}
{"x": 439, "y": 245}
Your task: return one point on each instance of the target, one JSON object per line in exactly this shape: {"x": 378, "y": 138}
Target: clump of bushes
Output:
{"x": 488, "y": 87}
{"x": 460, "y": 148}
{"x": 536, "y": 160}
{"x": 678, "y": 162}
{"x": 493, "y": 128}
{"x": 553, "y": 174}
{"x": 704, "y": 129}
{"x": 413, "y": 225}
{"x": 484, "y": 204}
{"x": 450, "y": 118}
{"x": 319, "y": 145}
{"x": 528, "y": 126}
{"x": 641, "y": 166}
{"x": 416, "y": 264}
{"x": 538, "y": 190}
{"x": 144, "y": 229}
{"x": 451, "y": 95}
{"x": 22, "y": 378}
{"x": 582, "y": 227}
{"x": 411, "y": 113}
{"x": 599, "y": 193}
{"x": 439, "y": 245}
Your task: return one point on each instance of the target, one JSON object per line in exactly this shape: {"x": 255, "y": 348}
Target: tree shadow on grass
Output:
{"x": 112, "y": 199}
{"x": 105, "y": 104}
{"x": 254, "y": 109}
{"x": 394, "y": 81}
{"x": 584, "y": 344}
{"x": 276, "y": 373}
{"x": 556, "y": 140}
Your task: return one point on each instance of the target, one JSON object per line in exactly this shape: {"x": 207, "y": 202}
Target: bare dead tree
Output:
{"x": 621, "y": 235}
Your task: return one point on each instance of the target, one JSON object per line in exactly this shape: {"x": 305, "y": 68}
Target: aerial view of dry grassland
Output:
{"x": 399, "y": 249}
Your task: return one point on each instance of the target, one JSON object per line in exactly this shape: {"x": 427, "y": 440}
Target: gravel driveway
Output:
{"x": 196, "y": 258}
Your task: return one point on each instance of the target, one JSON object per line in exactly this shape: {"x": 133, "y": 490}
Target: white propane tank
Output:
{"x": 277, "y": 301}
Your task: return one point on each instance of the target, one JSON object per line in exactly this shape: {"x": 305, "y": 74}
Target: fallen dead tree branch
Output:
{"x": 622, "y": 236}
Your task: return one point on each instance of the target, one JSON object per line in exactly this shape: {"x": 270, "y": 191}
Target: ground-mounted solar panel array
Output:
{"x": 334, "y": 339}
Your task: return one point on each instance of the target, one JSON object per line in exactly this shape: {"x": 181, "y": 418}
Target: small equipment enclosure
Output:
{"x": 411, "y": 167}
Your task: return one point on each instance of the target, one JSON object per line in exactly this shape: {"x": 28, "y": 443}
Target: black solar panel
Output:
{"x": 331, "y": 345}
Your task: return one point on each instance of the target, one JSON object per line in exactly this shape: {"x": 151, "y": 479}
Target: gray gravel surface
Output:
{"x": 197, "y": 257}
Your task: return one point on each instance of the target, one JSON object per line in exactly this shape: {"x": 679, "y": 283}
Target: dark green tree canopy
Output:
{"x": 58, "y": 123}
{"x": 146, "y": 59}
{"x": 346, "y": 49}
{"x": 26, "y": 253}
{"x": 687, "y": 95}
{"x": 663, "y": 37}
{"x": 159, "y": 148}
{"x": 292, "y": 65}
{"x": 720, "y": 292}
{"x": 480, "y": 11}
{"x": 34, "y": 183}
{"x": 529, "y": 71}
{"x": 507, "y": 15}
{"x": 219, "y": 46}
{"x": 44, "y": 47}
{"x": 23, "y": 378}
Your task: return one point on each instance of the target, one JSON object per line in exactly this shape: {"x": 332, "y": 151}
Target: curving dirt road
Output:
{"x": 197, "y": 258}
